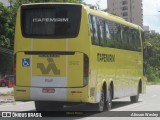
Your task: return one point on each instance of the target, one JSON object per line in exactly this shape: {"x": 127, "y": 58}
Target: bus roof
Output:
{"x": 52, "y": 3}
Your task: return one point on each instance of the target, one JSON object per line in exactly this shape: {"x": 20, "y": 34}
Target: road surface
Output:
{"x": 148, "y": 102}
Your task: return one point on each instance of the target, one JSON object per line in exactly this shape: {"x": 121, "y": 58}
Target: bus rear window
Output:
{"x": 50, "y": 21}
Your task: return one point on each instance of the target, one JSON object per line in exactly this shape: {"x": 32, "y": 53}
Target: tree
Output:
{"x": 6, "y": 26}
{"x": 153, "y": 63}
{"x": 6, "y": 39}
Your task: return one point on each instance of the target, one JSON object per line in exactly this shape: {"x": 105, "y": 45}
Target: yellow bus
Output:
{"x": 69, "y": 53}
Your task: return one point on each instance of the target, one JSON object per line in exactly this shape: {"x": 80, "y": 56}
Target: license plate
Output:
{"x": 48, "y": 90}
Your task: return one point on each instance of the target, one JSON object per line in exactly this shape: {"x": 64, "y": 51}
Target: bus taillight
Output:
{"x": 85, "y": 69}
{"x": 14, "y": 68}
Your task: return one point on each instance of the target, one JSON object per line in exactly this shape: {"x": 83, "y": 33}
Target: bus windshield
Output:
{"x": 51, "y": 21}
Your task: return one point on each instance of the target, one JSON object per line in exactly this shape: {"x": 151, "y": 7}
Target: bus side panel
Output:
{"x": 126, "y": 73}
{"x": 103, "y": 69}
{"x": 119, "y": 66}
{"x": 139, "y": 71}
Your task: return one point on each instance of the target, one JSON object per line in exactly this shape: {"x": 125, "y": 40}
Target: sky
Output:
{"x": 151, "y": 16}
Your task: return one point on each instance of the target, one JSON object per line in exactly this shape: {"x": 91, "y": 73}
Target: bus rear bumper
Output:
{"x": 54, "y": 94}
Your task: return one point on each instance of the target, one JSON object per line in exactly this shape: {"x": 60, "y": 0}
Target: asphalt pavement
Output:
{"x": 148, "y": 103}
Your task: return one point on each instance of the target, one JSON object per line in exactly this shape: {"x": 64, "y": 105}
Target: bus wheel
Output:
{"x": 109, "y": 100}
{"x": 102, "y": 104}
{"x": 134, "y": 99}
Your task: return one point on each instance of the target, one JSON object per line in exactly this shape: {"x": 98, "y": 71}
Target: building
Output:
{"x": 130, "y": 10}
{"x": 146, "y": 29}
{"x": 153, "y": 31}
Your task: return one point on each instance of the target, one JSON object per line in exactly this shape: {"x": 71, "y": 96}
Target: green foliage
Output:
{"x": 153, "y": 62}
{"x": 6, "y": 39}
{"x": 6, "y": 27}
{"x": 152, "y": 74}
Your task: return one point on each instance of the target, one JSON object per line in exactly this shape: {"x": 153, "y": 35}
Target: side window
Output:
{"x": 130, "y": 41}
{"x": 106, "y": 33}
{"x": 142, "y": 36}
{"x": 95, "y": 31}
{"x": 108, "y": 36}
{"x": 134, "y": 47}
{"x": 118, "y": 36}
{"x": 91, "y": 27}
{"x": 138, "y": 41}
{"x": 112, "y": 34}
{"x": 99, "y": 31}
{"x": 127, "y": 38}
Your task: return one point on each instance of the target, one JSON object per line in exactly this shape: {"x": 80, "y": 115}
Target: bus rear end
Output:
{"x": 51, "y": 60}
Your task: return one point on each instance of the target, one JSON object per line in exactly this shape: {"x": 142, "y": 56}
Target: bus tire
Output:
{"x": 101, "y": 106}
{"x": 134, "y": 99}
{"x": 109, "y": 100}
